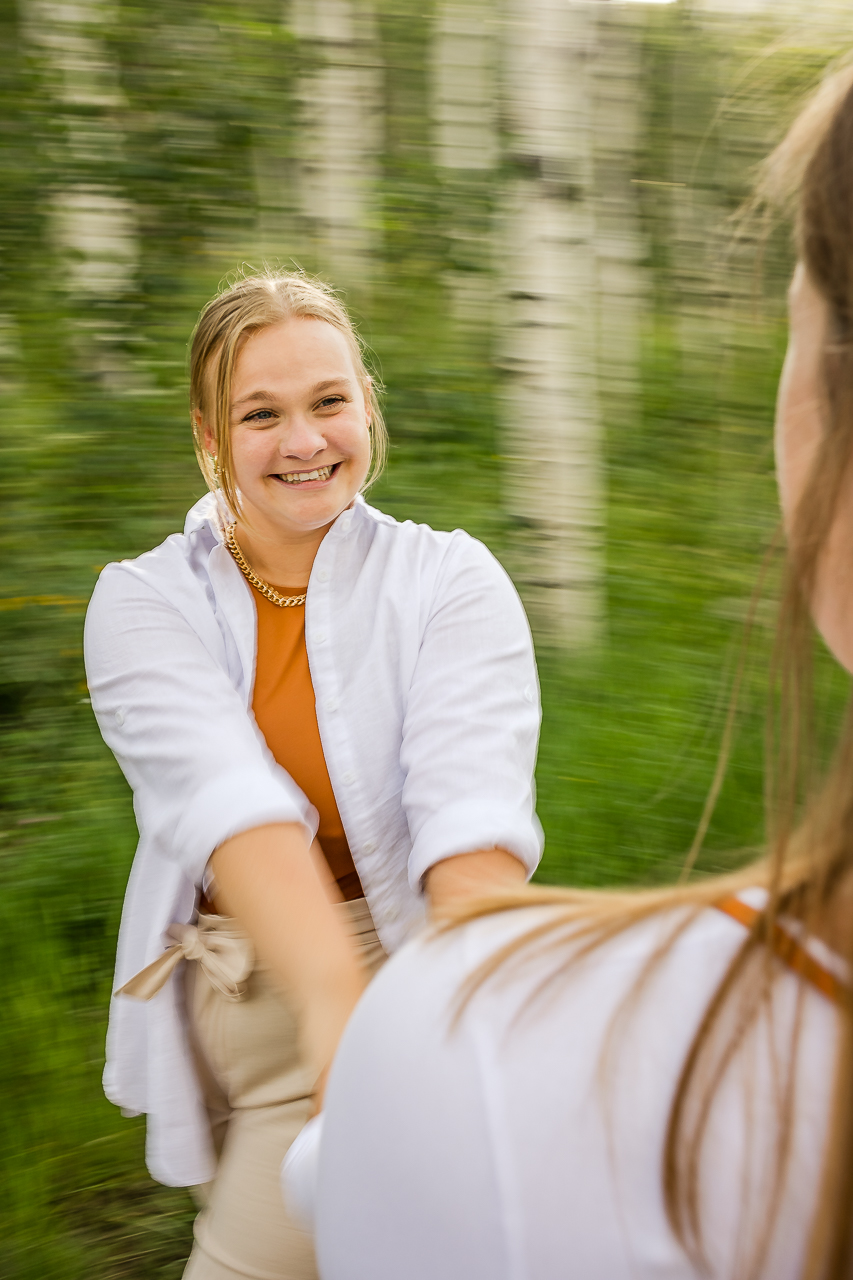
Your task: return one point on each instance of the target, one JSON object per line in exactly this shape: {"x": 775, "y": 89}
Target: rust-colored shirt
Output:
{"x": 286, "y": 712}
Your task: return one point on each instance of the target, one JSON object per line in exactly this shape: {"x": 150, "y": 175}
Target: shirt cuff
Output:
{"x": 475, "y": 824}
{"x": 235, "y": 802}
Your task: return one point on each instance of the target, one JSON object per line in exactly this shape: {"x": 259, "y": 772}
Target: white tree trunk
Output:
{"x": 553, "y": 437}
{"x": 464, "y": 104}
{"x": 463, "y": 85}
{"x": 94, "y": 226}
{"x": 340, "y": 136}
{"x": 620, "y": 285}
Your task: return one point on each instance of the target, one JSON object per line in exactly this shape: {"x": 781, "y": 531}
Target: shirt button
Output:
{"x": 320, "y": 637}
{"x": 528, "y": 693}
{"x": 331, "y": 704}
{"x": 369, "y": 846}
{"x": 323, "y": 576}
{"x": 390, "y": 914}
{"x": 119, "y": 717}
{"x": 349, "y": 778}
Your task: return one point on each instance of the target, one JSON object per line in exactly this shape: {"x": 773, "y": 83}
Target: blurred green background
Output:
{"x": 148, "y": 150}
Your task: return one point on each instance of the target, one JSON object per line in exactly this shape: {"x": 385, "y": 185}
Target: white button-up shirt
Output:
{"x": 428, "y": 709}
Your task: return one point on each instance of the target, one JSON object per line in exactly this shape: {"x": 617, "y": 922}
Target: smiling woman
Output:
{"x": 299, "y": 442}
{"x": 329, "y": 721}
{"x": 245, "y": 325}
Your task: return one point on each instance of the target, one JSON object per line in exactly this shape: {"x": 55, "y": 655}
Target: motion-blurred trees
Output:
{"x": 148, "y": 149}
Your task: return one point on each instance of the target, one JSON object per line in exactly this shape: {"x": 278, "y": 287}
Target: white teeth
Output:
{"x": 300, "y": 477}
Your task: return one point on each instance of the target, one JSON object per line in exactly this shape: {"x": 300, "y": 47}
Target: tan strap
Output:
{"x": 789, "y": 951}
{"x": 225, "y": 954}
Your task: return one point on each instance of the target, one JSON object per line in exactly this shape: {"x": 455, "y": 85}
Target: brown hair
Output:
{"x": 250, "y": 303}
{"x": 809, "y": 848}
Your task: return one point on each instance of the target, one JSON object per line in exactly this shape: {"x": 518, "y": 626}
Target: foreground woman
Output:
{"x": 296, "y": 667}
{"x": 604, "y": 1086}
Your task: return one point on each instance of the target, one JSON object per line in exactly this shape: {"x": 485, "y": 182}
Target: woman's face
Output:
{"x": 800, "y": 416}
{"x": 300, "y": 444}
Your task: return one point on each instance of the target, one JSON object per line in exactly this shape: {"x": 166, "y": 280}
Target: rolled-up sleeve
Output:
{"x": 179, "y": 729}
{"x": 472, "y": 717}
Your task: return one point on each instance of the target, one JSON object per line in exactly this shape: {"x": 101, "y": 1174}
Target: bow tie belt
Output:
{"x": 225, "y": 954}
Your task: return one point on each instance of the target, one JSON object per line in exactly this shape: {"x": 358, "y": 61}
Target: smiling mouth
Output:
{"x": 303, "y": 477}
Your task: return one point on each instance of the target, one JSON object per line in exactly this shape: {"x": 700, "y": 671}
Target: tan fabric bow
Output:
{"x": 225, "y": 954}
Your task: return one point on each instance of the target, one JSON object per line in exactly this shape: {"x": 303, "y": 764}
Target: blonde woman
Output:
{"x": 643, "y": 1085}
{"x": 328, "y": 719}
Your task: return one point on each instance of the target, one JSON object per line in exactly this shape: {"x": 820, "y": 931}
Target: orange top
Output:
{"x": 787, "y": 949}
{"x": 286, "y": 712}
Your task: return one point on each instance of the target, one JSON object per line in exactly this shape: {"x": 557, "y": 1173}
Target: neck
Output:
{"x": 281, "y": 559}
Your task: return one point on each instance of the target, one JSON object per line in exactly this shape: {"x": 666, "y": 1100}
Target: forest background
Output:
{"x": 148, "y": 150}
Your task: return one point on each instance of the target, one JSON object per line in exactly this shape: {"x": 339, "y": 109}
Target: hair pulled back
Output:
{"x": 244, "y": 307}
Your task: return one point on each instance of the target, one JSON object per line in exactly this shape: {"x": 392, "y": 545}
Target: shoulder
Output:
{"x": 533, "y": 945}
{"x": 173, "y": 571}
{"x": 409, "y": 533}
{"x": 444, "y": 554}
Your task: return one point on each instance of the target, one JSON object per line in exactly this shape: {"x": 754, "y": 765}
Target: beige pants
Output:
{"x": 257, "y": 1093}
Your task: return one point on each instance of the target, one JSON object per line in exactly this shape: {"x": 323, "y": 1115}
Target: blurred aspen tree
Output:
{"x": 547, "y": 262}
{"x": 339, "y": 138}
{"x": 530, "y": 204}
{"x": 94, "y": 221}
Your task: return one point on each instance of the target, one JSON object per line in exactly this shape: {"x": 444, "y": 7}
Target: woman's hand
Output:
{"x": 472, "y": 875}
{"x": 268, "y": 879}
{"x": 800, "y": 412}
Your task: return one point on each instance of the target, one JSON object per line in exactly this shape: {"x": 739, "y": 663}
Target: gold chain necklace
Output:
{"x": 283, "y": 602}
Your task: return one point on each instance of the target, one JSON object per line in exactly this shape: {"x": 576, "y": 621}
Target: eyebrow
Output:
{"x": 267, "y": 397}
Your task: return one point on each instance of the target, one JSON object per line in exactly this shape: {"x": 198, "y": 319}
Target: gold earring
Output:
{"x": 217, "y": 474}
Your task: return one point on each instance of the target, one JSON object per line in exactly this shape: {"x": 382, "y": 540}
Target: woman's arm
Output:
{"x": 267, "y": 879}
{"x": 471, "y": 875}
{"x": 199, "y": 769}
{"x": 470, "y": 734}
{"x": 799, "y": 432}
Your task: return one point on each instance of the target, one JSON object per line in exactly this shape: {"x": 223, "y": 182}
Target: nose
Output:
{"x": 301, "y": 439}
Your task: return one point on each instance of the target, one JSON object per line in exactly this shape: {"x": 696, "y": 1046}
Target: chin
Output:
{"x": 311, "y": 515}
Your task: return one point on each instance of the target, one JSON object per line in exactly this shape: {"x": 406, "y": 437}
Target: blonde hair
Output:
{"x": 249, "y": 304}
{"x": 808, "y": 861}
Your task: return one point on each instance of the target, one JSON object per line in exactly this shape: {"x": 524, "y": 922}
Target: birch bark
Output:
{"x": 340, "y": 134}
{"x": 464, "y": 104}
{"x": 94, "y": 226}
{"x": 548, "y": 258}
{"x": 619, "y": 284}
{"x": 466, "y": 148}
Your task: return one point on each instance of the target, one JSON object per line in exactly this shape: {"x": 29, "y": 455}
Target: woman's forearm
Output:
{"x": 268, "y": 880}
{"x": 472, "y": 875}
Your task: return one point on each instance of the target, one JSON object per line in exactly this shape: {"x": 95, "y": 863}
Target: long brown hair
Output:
{"x": 809, "y": 841}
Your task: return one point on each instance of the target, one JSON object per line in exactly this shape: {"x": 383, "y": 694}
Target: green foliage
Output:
{"x": 194, "y": 125}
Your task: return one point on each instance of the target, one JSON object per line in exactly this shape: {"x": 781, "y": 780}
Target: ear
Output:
{"x": 209, "y": 440}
